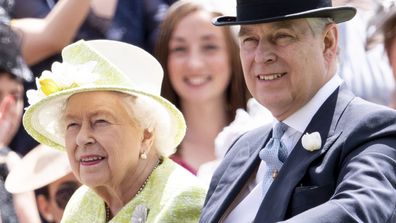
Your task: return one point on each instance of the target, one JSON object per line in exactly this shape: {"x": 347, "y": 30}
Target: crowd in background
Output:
{"x": 202, "y": 74}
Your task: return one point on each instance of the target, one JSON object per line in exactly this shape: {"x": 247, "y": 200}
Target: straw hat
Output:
{"x": 97, "y": 65}
{"x": 40, "y": 167}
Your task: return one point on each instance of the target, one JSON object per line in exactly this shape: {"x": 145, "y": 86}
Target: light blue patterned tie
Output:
{"x": 273, "y": 154}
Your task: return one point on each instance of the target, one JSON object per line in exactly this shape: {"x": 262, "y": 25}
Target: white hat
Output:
{"x": 40, "y": 167}
{"x": 97, "y": 65}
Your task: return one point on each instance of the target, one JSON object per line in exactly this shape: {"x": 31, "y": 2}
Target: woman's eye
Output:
{"x": 71, "y": 125}
{"x": 177, "y": 49}
{"x": 101, "y": 121}
{"x": 210, "y": 47}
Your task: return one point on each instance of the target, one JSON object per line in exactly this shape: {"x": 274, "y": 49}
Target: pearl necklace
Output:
{"x": 107, "y": 208}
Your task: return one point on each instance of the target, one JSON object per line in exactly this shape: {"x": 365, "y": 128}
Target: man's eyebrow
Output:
{"x": 243, "y": 31}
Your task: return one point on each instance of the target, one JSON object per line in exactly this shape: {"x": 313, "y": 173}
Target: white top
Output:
{"x": 367, "y": 73}
{"x": 247, "y": 209}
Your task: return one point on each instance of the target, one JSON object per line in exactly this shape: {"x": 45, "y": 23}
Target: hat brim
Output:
{"x": 36, "y": 170}
{"x": 338, "y": 14}
{"x": 50, "y": 108}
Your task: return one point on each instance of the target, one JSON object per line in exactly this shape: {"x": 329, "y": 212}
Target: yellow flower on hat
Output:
{"x": 48, "y": 86}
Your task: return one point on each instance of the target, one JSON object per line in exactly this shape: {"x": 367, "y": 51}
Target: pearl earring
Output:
{"x": 49, "y": 218}
{"x": 143, "y": 156}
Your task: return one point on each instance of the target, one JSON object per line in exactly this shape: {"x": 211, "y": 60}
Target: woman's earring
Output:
{"x": 50, "y": 218}
{"x": 143, "y": 156}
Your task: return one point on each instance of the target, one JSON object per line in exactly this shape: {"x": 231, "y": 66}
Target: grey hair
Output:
{"x": 317, "y": 25}
{"x": 153, "y": 117}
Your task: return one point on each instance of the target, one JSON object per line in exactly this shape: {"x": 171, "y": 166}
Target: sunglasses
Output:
{"x": 64, "y": 192}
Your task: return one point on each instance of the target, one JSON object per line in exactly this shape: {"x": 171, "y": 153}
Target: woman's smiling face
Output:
{"x": 103, "y": 141}
{"x": 198, "y": 63}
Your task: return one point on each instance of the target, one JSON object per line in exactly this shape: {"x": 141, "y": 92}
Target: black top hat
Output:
{"x": 263, "y": 11}
{"x": 11, "y": 60}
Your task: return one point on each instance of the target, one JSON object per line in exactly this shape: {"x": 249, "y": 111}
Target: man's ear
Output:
{"x": 44, "y": 208}
{"x": 330, "y": 40}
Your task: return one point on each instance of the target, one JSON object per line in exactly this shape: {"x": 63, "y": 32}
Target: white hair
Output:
{"x": 153, "y": 117}
{"x": 318, "y": 24}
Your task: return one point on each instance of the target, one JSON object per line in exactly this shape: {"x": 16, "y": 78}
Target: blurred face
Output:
{"x": 198, "y": 64}
{"x": 11, "y": 108}
{"x": 103, "y": 141}
{"x": 285, "y": 64}
{"x": 392, "y": 56}
{"x": 60, "y": 191}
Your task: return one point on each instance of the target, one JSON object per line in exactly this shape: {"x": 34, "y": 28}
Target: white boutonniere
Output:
{"x": 140, "y": 214}
{"x": 311, "y": 142}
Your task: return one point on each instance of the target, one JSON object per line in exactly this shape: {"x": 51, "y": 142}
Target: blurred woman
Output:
{"x": 203, "y": 77}
{"x": 102, "y": 104}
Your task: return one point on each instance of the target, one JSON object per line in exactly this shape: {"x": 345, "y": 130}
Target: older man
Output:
{"x": 329, "y": 156}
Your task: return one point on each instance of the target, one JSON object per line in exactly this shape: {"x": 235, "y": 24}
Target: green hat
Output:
{"x": 97, "y": 65}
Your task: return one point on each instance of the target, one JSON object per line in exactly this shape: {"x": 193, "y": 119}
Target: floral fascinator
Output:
{"x": 97, "y": 65}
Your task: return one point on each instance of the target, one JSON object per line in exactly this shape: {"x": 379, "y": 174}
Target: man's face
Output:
{"x": 284, "y": 63}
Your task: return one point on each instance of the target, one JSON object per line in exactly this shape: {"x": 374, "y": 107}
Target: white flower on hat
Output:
{"x": 61, "y": 77}
{"x": 311, "y": 142}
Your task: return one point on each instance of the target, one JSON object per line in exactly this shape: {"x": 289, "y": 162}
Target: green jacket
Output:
{"x": 172, "y": 194}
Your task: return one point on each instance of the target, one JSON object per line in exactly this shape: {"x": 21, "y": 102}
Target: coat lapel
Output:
{"x": 239, "y": 171}
{"x": 274, "y": 206}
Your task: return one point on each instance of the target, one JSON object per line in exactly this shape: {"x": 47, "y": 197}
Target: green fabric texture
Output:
{"x": 80, "y": 53}
{"x": 172, "y": 194}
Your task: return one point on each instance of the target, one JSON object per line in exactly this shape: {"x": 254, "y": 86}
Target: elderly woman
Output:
{"x": 102, "y": 104}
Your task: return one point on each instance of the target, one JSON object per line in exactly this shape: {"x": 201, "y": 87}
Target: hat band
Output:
{"x": 273, "y": 9}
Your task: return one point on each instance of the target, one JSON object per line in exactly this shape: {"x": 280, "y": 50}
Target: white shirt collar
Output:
{"x": 300, "y": 119}
{"x": 298, "y": 122}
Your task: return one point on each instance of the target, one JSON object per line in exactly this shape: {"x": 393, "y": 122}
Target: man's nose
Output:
{"x": 265, "y": 53}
